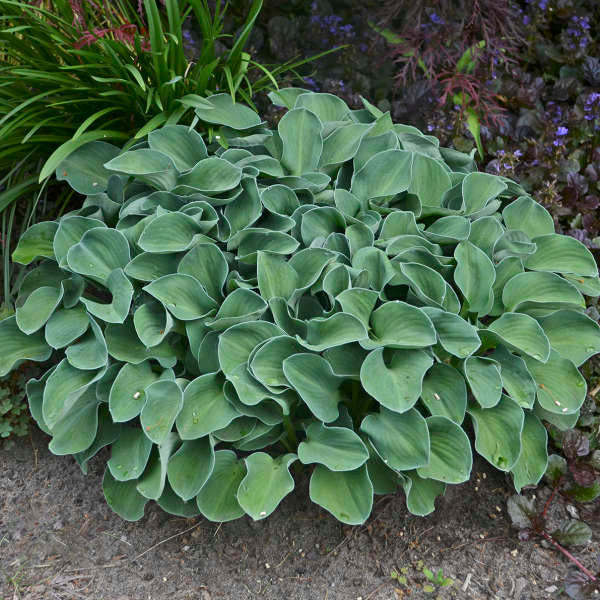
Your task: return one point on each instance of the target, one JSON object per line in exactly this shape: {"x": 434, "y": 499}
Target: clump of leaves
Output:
{"x": 14, "y": 413}
{"x": 340, "y": 292}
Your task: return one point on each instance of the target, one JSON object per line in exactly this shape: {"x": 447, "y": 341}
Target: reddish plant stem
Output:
{"x": 549, "y": 538}
{"x": 549, "y": 501}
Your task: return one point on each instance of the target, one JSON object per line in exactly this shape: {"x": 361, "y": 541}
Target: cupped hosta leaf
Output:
{"x": 338, "y": 448}
{"x": 347, "y": 495}
{"x": 152, "y": 323}
{"x": 475, "y": 276}
{"x": 478, "y": 189}
{"x": 444, "y": 392}
{"x": 421, "y": 493}
{"x": 171, "y": 503}
{"x": 70, "y": 231}
{"x": 342, "y": 144}
{"x": 527, "y": 215}
{"x": 123, "y": 497}
{"x": 36, "y": 242}
{"x": 385, "y": 174}
{"x": 99, "y": 252}
{"x": 397, "y": 324}
{"x": 38, "y": 308}
{"x": 206, "y": 263}
{"x": 326, "y": 106}
{"x": 429, "y": 180}
{"x": 516, "y": 378}
{"x": 66, "y": 325}
{"x": 266, "y": 483}
{"x": 532, "y": 463}
{"x": 572, "y": 334}
{"x": 121, "y": 290}
{"x": 184, "y": 146}
{"x": 450, "y": 458}
{"x": 402, "y": 440}
{"x": 312, "y": 377}
{"x": 449, "y": 230}
{"x": 172, "y": 232}
{"x": 212, "y": 175}
{"x": 523, "y": 334}
{"x": 150, "y": 166}
{"x": 190, "y": 467}
{"x": 205, "y": 408}
{"x": 150, "y": 266}
{"x": 394, "y": 377}
{"x": 90, "y": 351}
{"x": 426, "y": 283}
{"x": 164, "y": 401}
{"x": 127, "y": 394}
{"x": 182, "y": 295}
{"x": 539, "y": 289}
{"x": 107, "y": 433}
{"x": 276, "y": 277}
{"x": 336, "y": 330}
{"x": 129, "y": 454}
{"x": 267, "y": 362}
{"x": 300, "y": 133}
{"x": 239, "y": 306}
{"x": 217, "y": 499}
{"x": 220, "y": 109}
{"x": 561, "y": 254}
{"x": 152, "y": 482}
{"x": 457, "y": 336}
{"x": 498, "y": 432}
{"x": 561, "y": 388}
{"x": 483, "y": 376}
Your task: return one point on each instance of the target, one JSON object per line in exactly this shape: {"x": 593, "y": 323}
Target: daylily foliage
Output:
{"x": 340, "y": 293}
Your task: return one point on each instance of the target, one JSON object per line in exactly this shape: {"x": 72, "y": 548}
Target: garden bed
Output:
{"x": 59, "y": 539}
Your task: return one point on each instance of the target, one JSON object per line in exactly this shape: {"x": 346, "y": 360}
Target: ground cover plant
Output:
{"x": 340, "y": 293}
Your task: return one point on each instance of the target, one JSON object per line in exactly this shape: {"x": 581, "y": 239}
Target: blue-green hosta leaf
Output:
{"x": 342, "y": 144}
{"x": 427, "y": 285}
{"x": 107, "y": 433}
{"x": 338, "y": 448}
{"x": 47, "y": 274}
{"x": 84, "y": 169}
{"x": 70, "y": 231}
{"x": 485, "y": 232}
{"x": 346, "y": 360}
{"x": 212, "y": 175}
{"x": 38, "y": 308}
{"x": 184, "y": 146}
{"x": 220, "y": 109}
{"x": 445, "y": 392}
{"x": 239, "y": 306}
{"x": 266, "y": 483}
{"x": 370, "y": 145}
{"x": 65, "y": 326}
{"x": 152, "y": 482}
{"x": 402, "y": 243}
{"x": 384, "y": 479}
{"x": 123, "y": 497}
{"x": 563, "y": 422}
{"x": 319, "y": 223}
{"x": 252, "y": 240}
{"x": 539, "y": 289}
{"x": 217, "y": 499}
{"x": 309, "y": 264}
{"x": 478, "y": 189}
{"x": 562, "y": 254}
{"x": 531, "y": 465}
{"x": 148, "y": 266}
{"x": 129, "y": 454}
{"x": 394, "y": 377}
{"x": 590, "y": 286}
{"x": 457, "y": 336}
{"x": 236, "y": 344}
{"x": 359, "y": 303}
{"x": 377, "y": 264}
{"x": 182, "y": 295}
{"x": 164, "y": 401}
{"x": 327, "y": 107}
{"x": 149, "y": 166}
{"x": 312, "y": 377}
{"x": 483, "y": 376}
{"x": 36, "y": 242}
{"x": 421, "y": 493}
{"x": 63, "y": 388}
{"x": 513, "y": 243}
{"x": 448, "y": 230}
{"x": 397, "y": 324}
{"x": 99, "y": 252}
{"x": 121, "y": 290}
{"x": 300, "y": 132}
{"x": 385, "y": 174}
{"x": 205, "y": 408}
{"x": 523, "y": 334}
{"x": 207, "y": 264}
{"x": 430, "y": 180}
{"x": 561, "y": 388}
{"x": 267, "y": 362}
{"x": 527, "y": 215}
{"x": 276, "y": 278}
{"x": 516, "y": 378}
{"x": 127, "y": 394}
{"x": 402, "y": 440}
{"x": 260, "y": 437}
{"x": 572, "y": 334}
{"x": 450, "y": 458}
{"x": 506, "y": 269}
{"x": 347, "y": 495}
{"x": 171, "y": 503}
{"x": 77, "y": 429}
{"x": 152, "y": 323}
{"x": 236, "y": 430}
{"x": 498, "y": 432}
{"x": 397, "y": 223}
{"x": 90, "y": 351}
{"x": 171, "y": 232}
{"x": 336, "y": 330}
{"x": 190, "y": 467}
{"x": 474, "y": 275}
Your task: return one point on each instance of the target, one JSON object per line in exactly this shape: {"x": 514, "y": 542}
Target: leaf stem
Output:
{"x": 291, "y": 432}
{"x": 550, "y": 539}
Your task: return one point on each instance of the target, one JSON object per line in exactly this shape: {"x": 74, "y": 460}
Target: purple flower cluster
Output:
{"x": 332, "y": 25}
{"x": 591, "y": 108}
{"x": 576, "y": 35}
{"x": 560, "y": 133}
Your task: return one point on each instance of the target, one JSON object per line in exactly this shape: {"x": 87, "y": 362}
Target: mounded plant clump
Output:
{"x": 339, "y": 293}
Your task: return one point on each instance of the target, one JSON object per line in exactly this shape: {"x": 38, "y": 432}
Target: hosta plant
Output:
{"x": 339, "y": 294}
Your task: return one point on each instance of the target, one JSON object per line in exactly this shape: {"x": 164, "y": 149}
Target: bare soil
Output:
{"x": 59, "y": 540}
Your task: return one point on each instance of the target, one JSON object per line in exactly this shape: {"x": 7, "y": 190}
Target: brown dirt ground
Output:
{"x": 59, "y": 540}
